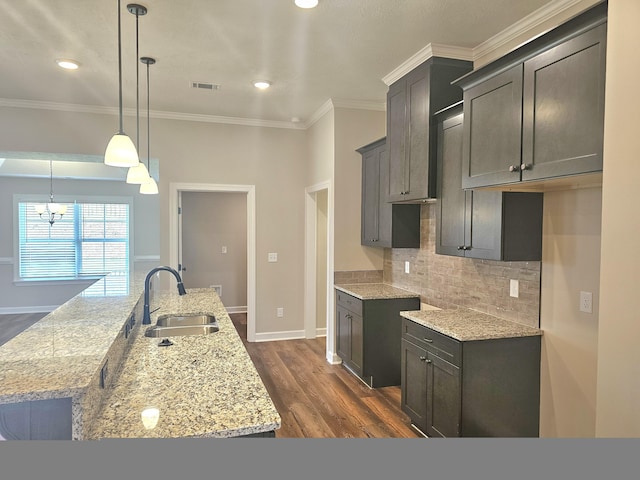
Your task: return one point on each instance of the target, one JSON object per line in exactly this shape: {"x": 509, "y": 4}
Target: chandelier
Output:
{"x": 54, "y": 211}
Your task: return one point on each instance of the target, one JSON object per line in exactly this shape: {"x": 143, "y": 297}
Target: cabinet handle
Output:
{"x": 525, "y": 166}
{"x": 466, "y": 247}
{"x": 428, "y": 361}
{"x": 422, "y": 359}
{"x": 461, "y": 247}
{"x": 514, "y": 168}
{"x": 428, "y": 340}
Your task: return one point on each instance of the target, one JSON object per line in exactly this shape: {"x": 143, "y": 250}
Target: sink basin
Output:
{"x": 175, "y": 320}
{"x": 159, "y": 331}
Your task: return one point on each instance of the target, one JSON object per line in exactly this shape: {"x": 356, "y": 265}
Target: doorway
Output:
{"x": 199, "y": 199}
{"x": 318, "y": 295}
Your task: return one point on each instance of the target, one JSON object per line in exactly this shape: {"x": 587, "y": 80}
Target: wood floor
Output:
{"x": 318, "y": 400}
{"x": 314, "y": 398}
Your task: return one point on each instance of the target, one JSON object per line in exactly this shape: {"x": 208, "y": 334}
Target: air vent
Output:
{"x": 205, "y": 86}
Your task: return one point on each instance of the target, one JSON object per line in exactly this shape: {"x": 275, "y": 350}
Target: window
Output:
{"x": 90, "y": 240}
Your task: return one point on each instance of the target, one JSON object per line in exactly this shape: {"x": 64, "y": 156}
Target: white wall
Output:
{"x": 570, "y": 264}
{"x": 618, "y": 393}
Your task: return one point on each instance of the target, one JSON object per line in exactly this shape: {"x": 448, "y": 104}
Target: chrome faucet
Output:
{"x": 146, "y": 316}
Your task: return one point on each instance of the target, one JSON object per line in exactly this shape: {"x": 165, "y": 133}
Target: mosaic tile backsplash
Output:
{"x": 452, "y": 282}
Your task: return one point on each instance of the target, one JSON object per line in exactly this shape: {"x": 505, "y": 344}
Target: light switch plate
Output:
{"x": 514, "y": 287}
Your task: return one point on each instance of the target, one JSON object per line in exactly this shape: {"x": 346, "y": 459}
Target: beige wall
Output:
{"x": 618, "y": 393}
{"x": 353, "y": 129}
{"x": 570, "y": 264}
{"x": 320, "y": 150}
{"x": 211, "y": 221}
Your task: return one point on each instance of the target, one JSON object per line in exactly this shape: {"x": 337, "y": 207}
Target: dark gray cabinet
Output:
{"x": 538, "y": 112}
{"x": 384, "y": 224}
{"x": 482, "y": 224}
{"x": 482, "y": 388}
{"x": 411, "y": 102}
{"x": 48, "y": 419}
{"x": 368, "y": 336}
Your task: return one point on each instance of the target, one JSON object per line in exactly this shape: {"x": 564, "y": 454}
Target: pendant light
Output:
{"x": 139, "y": 173}
{"x": 120, "y": 152}
{"x": 150, "y": 187}
{"x": 52, "y": 208}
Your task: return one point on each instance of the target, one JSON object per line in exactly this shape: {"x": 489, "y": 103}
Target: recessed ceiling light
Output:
{"x": 67, "y": 63}
{"x": 262, "y": 84}
{"x": 306, "y": 3}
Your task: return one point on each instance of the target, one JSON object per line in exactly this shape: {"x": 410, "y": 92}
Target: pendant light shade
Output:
{"x": 150, "y": 187}
{"x": 120, "y": 152}
{"x": 138, "y": 175}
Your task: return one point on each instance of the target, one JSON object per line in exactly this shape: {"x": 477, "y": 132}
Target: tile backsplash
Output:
{"x": 451, "y": 282}
{"x": 357, "y": 276}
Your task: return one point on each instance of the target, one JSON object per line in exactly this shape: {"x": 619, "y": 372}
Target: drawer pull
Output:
{"x": 428, "y": 340}
{"x": 422, "y": 359}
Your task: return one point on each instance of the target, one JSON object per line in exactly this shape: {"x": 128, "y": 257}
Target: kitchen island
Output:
{"x": 89, "y": 365}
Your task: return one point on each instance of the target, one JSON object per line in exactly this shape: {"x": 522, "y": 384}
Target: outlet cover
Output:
{"x": 406, "y": 267}
{"x": 280, "y": 312}
{"x": 586, "y": 302}
{"x": 224, "y": 249}
{"x": 273, "y": 257}
{"x": 514, "y": 287}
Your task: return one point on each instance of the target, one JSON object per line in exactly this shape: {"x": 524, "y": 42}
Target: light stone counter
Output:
{"x": 62, "y": 355}
{"x": 374, "y": 291}
{"x": 466, "y": 324}
{"x": 202, "y": 385}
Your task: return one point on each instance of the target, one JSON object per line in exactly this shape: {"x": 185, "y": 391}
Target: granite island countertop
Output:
{"x": 62, "y": 356}
{"x": 202, "y": 385}
{"x": 467, "y": 325}
{"x": 375, "y": 291}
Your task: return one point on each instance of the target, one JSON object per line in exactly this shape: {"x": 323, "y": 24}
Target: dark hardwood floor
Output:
{"x": 318, "y": 400}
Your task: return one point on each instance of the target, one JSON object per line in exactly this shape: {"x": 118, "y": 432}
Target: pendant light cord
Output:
{"x": 148, "y": 127}
{"x": 120, "y": 69}
{"x": 137, "y": 89}
{"x": 51, "y": 181}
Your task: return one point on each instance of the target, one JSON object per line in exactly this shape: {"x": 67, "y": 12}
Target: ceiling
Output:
{"x": 341, "y": 50}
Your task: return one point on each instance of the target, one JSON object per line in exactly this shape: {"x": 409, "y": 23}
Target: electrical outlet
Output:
{"x": 224, "y": 249}
{"x": 514, "y": 287}
{"x": 586, "y": 302}
{"x": 273, "y": 257}
{"x": 406, "y": 267}
{"x": 280, "y": 312}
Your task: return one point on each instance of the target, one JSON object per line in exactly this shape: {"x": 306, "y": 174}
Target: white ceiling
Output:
{"x": 340, "y": 50}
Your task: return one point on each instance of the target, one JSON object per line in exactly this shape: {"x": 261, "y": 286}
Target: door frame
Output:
{"x": 310, "y": 270}
{"x": 175, "y": 189}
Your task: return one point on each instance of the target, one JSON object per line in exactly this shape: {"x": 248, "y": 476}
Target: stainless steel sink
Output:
{"x": 159, "y": 331}
{"x": 174, "y": 320}
{"x": 173, "y": 325}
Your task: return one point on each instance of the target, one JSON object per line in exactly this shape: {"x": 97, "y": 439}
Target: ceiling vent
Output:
{"x": 205, "y": 86}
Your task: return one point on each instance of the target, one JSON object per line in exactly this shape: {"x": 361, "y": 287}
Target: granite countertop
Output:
{"x": 375, "y": 291}
{"x": 61, "y": 356}
{"x": 466, "y": 324}
{"x": 203, "y": 385}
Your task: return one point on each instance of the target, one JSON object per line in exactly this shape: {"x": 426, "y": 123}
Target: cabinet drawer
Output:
{"x": 440, "y": 345}
{"x": 349, "y": 302}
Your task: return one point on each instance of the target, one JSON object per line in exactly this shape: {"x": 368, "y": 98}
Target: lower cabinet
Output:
{"x": 368, "y": 336}
{"x": 48, "y": 419}
{"x": 480, "y": 388}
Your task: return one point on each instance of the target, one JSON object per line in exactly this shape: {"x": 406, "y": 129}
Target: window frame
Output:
{"x": 38, "y": 198}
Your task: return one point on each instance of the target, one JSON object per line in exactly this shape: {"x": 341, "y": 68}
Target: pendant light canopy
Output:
{"x": 150, "y": 187}
{"x": 138, "y": 174}
{"x": 120, "y": 152}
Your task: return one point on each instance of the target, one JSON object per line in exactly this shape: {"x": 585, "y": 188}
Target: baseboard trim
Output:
{"x": 321, "y": 332}
{"x": 275, "y": 336}
{"x": 333, "y": 359}
{"x": 34, "y": 309}
{"x": 240, "y": 309}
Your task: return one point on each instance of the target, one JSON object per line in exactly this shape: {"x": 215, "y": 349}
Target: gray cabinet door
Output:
{"x": 492, "y": 130}
{"x": 343, "y": 333}
{"x": 413, "y": 383}
{"x": 385, "y": 209}
{"x": 396, "y": 138}
{"x": 443, "y": 398}
{"x": 370, "y": 197}
{"x": 450, "y": 226}
{"x": 357, "y": 343}
{"x": 563, "y": 120}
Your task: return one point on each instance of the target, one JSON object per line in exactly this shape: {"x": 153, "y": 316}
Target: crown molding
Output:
{"x": 325, "y": 108}
{"x": 525, "y": 25}
{"x": 431, "y": 50}
{"x": 130, "y": 112}
{"x": 360, "y": 104}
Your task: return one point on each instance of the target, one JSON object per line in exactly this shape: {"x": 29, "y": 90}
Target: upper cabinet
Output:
{"x": 384, "y": 224}
{"x": 538, "y": 112}
{"x": 411, "y": 102}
